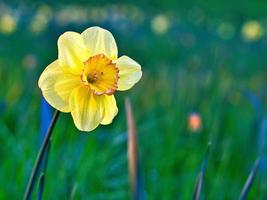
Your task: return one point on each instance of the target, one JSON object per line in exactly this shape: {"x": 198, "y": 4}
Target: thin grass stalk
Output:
{"x": 135, "y": 175}
{"x": 132, "y": 147}
{"x": 73, "y": 191}
{"x": 250, "y": 180}
{"x": 42, "y": 176}
{"x": 200, "y": 177}
{"x": 38, "y": 162}
{"x": 41, "y": 186}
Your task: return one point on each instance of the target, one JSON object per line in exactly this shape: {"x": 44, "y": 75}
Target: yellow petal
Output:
{"x": 110, "y": 108}
{"x": 129, "y": 72}
{"x": 72, "y": 51}
{"x": 86, "y": 109}
{"x": 100, "y": 41}
{"x": 57, "y": 83}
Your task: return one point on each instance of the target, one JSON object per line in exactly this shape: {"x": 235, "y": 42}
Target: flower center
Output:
{"x": 91, "y": 78}
{"x": 100, "y": 74}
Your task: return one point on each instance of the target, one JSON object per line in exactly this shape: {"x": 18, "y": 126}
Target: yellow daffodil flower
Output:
{"x": 86, "y": 75}
{"x": 252, "y": 31}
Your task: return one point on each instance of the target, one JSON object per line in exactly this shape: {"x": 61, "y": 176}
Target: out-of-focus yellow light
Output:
{"x": 8, "y": 24}
{"x": 252, "y": 31}
{"x": 41, "y": 19}
{"x": 160, "y": 24}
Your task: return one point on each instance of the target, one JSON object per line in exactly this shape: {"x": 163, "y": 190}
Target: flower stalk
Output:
{"x": 38, "y": 163}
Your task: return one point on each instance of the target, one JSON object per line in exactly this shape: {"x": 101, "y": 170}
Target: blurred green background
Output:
{"x": 204, "y": 80}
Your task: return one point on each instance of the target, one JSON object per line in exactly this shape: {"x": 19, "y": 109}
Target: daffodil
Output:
{"x": 252, "y": 31}
{"x": 86, "y": 75}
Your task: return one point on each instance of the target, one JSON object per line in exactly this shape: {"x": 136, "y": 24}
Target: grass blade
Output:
{"x": 136, "y": 177}
{"x": 199, "y": 180}
{"x": 73, "y": 191}
{"x": 42, "y": 176}
{"x": 250, "y": 180}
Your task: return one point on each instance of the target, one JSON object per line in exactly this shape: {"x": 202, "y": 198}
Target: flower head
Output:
{"x": 160, "y": 24}
{"x": 8, "y": 23}
{"x": 252, "y": 31}
{"x": 86, "y": 75}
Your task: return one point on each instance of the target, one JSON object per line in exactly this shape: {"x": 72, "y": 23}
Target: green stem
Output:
{"x": 38, "y": 162}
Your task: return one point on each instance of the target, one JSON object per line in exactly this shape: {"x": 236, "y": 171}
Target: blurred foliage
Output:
{"x": 195, "y": 58}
